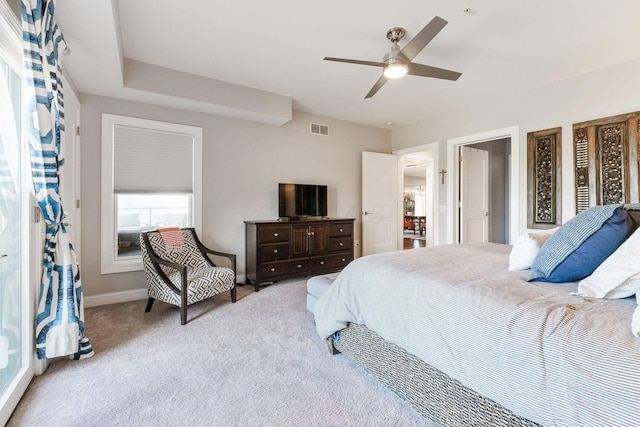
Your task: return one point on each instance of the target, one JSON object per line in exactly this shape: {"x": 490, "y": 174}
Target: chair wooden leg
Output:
{"x": 233, "y": 294}
{"x": 183, "y": 315}
{"x": 149, "y": 304}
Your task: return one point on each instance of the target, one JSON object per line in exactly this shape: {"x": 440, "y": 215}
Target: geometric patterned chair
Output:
{"x": 175, "y": 260}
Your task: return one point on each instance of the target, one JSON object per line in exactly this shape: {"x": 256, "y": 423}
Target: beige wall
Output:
{"x": 243, "y": 162}
{"x": 601, "y": 93}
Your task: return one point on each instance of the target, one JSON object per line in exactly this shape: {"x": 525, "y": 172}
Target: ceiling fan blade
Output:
{"x": 376, "y": 87}
{"x": 421, "y": 39}
{"x": 354, "y": 61}
{"x": 429, "y": 71}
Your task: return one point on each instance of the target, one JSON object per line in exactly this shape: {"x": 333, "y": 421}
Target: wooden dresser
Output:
{"x": 278, "y": 250}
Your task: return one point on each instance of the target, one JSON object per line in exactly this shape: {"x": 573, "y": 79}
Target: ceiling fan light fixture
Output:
{"x": 395, "y": 70}
{"x": 394, "y": 67}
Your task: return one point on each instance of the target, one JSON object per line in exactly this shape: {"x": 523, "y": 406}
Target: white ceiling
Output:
{"x": 501, "y": 47}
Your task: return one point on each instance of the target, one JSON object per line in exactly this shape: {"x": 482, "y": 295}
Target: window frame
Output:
{"x": 110, "y": 262}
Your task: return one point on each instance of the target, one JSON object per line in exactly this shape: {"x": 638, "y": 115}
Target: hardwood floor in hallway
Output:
{"x": 411, "y": 243}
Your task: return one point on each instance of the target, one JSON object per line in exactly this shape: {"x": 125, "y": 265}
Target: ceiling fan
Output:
{"x": 397, "y": 62}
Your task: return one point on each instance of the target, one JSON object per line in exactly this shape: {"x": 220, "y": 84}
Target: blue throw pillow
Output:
{"x": 582, "y": 244}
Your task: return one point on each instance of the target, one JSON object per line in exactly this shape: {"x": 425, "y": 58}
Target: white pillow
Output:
{"x": 619, "y": 275}
{"x": 526, "y": 248}
{"x": 635, "y": 321}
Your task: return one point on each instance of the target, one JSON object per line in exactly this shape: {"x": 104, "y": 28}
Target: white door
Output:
{"x": 474, "y": 195}
{"x": 379, "y": 203}
{"x": 70, "y": 178}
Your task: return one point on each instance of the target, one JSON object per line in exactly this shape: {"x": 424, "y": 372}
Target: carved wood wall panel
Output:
{"x": 544, "y": 174}
{"x": 606, "y": 160}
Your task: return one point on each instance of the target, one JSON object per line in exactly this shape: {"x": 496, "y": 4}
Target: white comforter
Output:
{"x": 549, "y": 356}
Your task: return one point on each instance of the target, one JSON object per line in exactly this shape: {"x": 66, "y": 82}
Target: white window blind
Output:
{"x": 149, "y": 160}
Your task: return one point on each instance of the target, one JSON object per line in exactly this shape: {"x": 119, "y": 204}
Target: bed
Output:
{"x": 466, "y": 341}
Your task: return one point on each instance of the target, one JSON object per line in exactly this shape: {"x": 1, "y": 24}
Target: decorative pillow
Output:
{"x": 633, "y": 210}
{"x": 635, "y": 320}
{"x": 582, "y": 244}
{"x": 171, "y": 236}
{"x": 618, "y": 276}
{"x": 526, "y": 248}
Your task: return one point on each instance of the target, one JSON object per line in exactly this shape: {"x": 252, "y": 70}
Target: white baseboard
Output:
{"x": 115, "y": 297}
{"x": 126, "y": 296}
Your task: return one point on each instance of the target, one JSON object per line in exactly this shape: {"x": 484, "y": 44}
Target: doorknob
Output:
{"x": 487, "y": 214}
{"x": 366, "y": 213}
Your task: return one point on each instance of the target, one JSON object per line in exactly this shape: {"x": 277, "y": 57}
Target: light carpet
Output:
{"x": 258, "y": 362}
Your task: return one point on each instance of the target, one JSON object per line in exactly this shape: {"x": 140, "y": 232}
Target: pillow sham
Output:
{"x": 618, "y": 276}
{"x": 582, "y": 244}
{"x": 526, "y": 248}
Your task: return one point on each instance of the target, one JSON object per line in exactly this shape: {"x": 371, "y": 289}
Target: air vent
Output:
{"x": 318, "y": 129}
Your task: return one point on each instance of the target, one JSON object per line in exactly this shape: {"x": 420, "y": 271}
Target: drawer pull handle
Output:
{"x": 275, "y": 251}
{"x": 341, "y": 230}
{"x": 275, "y": 234}
{"x": 273, "y": 269}
{"x": 299, "y": 266}
{"x": 321, "y": 262}
{"x": 341, "y": 243}
{"x": 344, "y": 260}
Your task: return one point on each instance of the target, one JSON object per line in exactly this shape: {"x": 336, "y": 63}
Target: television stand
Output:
{"x": 278, "y": 250}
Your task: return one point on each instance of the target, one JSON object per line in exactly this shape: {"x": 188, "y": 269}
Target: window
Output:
{"x": 151, "y": 178}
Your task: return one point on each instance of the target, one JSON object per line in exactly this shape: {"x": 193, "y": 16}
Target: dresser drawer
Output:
{"x": 340, "y": 243}
{"x": 331, "y": 262}
{"x": 344, "y": 229}
{"x": 274, "y": 234}
{"x": 273, "y": 251}
{"x": 281, "y": 268}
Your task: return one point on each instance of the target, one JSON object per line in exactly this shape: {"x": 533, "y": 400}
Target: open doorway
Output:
{"x": 418, "y": 196}
{"x": 416, "y": 199}
{"x": 504, "y": 187}
{"x": 483, "y": 196}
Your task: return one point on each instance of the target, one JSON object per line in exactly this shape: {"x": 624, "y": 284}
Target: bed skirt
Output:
{"x": 437, "y": 397}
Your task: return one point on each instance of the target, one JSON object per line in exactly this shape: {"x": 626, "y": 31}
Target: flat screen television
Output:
{"x": 302, "y": 200}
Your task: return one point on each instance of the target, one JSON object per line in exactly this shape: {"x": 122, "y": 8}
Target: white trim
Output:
{"x": 109, "y": 262}
{"x": 115, "y": 297}
{"x": 435, "y": 188}
{"x": 126, "y": 296}
{"x": 512, "y": 132}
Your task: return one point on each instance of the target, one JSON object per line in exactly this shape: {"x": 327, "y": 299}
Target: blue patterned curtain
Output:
{"x": 60, "y": 316}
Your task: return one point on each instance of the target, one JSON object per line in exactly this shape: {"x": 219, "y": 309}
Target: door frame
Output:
{"x": 432, "y": 219}
{"x": 453, "y": 217}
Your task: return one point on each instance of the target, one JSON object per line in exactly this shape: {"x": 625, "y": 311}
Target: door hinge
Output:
{"x": 459, "y": 157}
{"x": 78, "y": 130}
{"x": 77, "y": 203}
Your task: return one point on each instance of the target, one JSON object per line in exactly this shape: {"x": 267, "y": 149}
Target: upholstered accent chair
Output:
{"x": 179, "y": 270}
